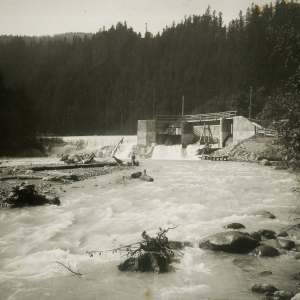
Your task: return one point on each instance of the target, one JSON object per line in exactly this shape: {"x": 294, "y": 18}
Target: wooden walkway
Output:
{"x": 215, "y": 157}
{"x": 195, "y": 118}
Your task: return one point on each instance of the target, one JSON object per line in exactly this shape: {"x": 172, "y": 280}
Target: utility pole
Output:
{"x": 182, "y": 105}
{"x": 153, "y": 104}
{"x": 250, "y": 102}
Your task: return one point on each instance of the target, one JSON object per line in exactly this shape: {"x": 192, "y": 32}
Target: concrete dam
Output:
{"x": 219, "y": 129}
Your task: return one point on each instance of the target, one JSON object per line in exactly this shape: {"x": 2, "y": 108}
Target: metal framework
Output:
{"x": 195, "y": 118}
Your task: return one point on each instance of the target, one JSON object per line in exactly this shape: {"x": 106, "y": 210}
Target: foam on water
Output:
{"x": 175, "y": 152}
{"x": 199, "y": 196}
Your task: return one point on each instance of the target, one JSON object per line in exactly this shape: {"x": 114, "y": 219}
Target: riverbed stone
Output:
{"x": 266, "y": 231}
{"x": 231, "y": 242}
{"x": 283, "y": 295}
{"x": 265, "y": 273}
{"x": 282, "y": 234}
{"x": 269, "y": 236}
{"x": 255, "y": 235}
{"x": 265, "y": 250}
{"x": 178, "y": 245}
{"x": 285, "y": 244}
{"x": 265, "y": 214}
{"x": 234, "y": 226}
{"x": 263, "y": 288}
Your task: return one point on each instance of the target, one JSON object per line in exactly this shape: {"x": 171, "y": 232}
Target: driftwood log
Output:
{"x": 75, "y": 166}
{"x": 50, "y": 177}
{"x": 146, "y": 177}
{"x": 23, "y": 177}
{"x": 119, "y": 161}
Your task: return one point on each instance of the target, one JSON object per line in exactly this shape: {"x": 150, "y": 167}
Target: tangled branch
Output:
{"x": 159, "y": 245}
{"x": 69, "y": 268}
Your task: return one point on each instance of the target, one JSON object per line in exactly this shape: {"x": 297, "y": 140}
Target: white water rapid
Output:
{"x": 199, "y": 196}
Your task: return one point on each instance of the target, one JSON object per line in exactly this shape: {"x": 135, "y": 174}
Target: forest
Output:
{"x": 95, "y": 84}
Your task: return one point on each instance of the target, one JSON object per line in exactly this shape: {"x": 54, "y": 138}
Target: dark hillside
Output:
{"x": 104, "y": 82}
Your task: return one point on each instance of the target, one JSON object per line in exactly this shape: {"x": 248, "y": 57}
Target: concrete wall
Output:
{"x": 225, "y": 130}
{"x": 242, "y": 129}
{"x": 146, "y": 132}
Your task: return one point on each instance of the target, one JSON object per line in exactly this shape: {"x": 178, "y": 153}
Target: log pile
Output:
{"x": 84, "y": 158}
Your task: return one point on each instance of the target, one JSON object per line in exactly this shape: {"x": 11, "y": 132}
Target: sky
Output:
{"x": 49, "y": 17}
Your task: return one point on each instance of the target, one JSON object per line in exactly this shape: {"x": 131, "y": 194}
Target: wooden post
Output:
{"x": 153, "y": 104}
{"x": 250, "y": 102}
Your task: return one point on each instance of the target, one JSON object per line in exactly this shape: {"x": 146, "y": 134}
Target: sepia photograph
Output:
{"x": 149, "y": 150}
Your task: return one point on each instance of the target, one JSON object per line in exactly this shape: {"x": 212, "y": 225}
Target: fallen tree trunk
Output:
{"x": 116, "y": 148}
{"x": 54, "y": 176}
{"x": 119, "y": 161}
{"x": 75, "y": 166}
{"x": 146, "y": 177}
{"x": 25, "y": 177}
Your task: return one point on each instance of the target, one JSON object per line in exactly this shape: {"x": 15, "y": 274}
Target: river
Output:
{"x": 199, "y": 196}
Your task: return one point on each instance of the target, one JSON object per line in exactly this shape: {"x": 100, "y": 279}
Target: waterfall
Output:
{"x": 102, "y": 146}
{"x": 105, "y": 146}
{"x": 175, "y": 152}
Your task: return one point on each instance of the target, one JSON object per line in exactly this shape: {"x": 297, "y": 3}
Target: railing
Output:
{"x": 268, "y": 132}
{"x": 195, "y": 118}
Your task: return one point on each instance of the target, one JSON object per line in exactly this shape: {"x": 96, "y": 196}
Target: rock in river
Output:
{"x": 282, "y": 234}
{"x": 263, "y": 288}
{"x": 265, "y": 214}
{"x": 283, "y": 295}
{"x": 231, "y": 241}
{"x": 285, "y": 244}
{"x": 234, "y": 226}
{"x": 255, "y": 235}
{"x": 266, "y": 231}
{"x": 265, "y": 250}
{"x": 155, "y": 262}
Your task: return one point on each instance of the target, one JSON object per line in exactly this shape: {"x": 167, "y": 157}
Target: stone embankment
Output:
{"x": 265, "y": 150}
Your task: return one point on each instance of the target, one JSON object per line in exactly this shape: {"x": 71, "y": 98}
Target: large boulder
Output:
{"x": 231, "y": 241}
{"x": 265, "y": 250}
